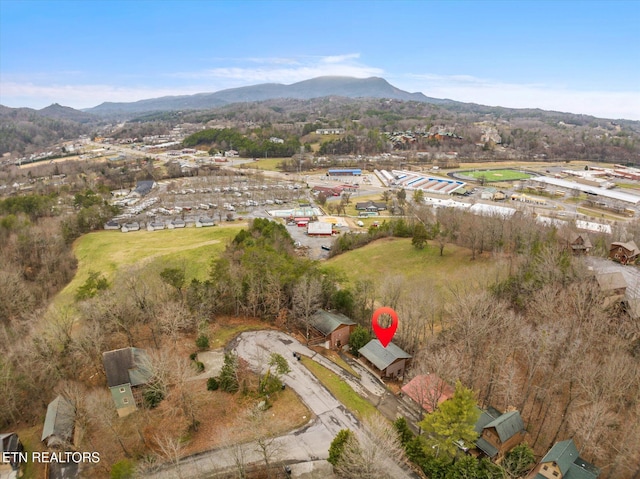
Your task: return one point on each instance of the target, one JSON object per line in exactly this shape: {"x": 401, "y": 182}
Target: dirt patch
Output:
{"x": 213, "y": 361}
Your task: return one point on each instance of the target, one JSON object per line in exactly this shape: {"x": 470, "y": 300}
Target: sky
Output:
{"x": 573, "y": 56}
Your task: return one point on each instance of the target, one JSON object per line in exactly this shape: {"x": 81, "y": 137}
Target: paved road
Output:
{"x": 308, "y": 443}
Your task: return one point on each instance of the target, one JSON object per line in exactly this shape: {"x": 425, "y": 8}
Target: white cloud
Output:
{"x": 466, "y": 88}
{"x": 340, "y": 58}
{"x": 295, "y": 70}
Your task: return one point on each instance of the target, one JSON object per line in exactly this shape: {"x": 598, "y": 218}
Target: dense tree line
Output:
{"x": 224, "y": 139}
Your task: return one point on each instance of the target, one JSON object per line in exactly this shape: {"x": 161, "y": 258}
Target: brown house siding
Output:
{"x": 340, "y": 336}
{"x": 396, "y": 369}
{"x": 491, "y": 436}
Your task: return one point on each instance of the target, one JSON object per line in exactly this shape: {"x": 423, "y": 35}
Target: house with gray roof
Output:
{"x": 59, "y": 423}
{"x": 143, "y": 188}
{"x": 332, "y": 329}
{"x": 499, "y": 433}
{"x": 127, "y": 372}
{"x": 10, "y": 446}
{"x": 563, "y": 462}
{"x": 389, "y": 362}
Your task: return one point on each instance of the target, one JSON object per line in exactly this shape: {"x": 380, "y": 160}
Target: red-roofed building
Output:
{"x": 428, "y": 391}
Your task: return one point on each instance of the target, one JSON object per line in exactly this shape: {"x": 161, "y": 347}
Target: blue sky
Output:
{"x": 576, "y": 56}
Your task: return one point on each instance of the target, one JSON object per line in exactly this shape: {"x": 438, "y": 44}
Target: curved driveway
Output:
{"x": 306, "y": 444}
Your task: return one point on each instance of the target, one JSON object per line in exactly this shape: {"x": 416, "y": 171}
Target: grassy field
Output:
{"x": 269, "y": 164}
{"x": 397, "y": 257}
{"x": 108, "y": 251}
{"x": 340, "y": 389}
{"x": 497, "y": 175}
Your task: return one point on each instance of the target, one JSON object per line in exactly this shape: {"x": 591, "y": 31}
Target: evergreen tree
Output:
{"x": 337, "y": 445}
{"x": 419, "y": 240}
{"x": 454, "y": 420}
{"x": 228, "y": 375}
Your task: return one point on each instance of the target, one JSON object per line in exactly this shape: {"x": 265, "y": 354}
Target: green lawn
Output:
{"x": 497, "y": 175}
{"x": 269, "y": 164}
{"x": 397, "y": 257}
{"x": 108, "y": 251}
{"x": 341, "y": 390}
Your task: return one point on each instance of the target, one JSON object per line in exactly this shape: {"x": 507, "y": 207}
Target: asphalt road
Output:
{"x": 306, "y": 444}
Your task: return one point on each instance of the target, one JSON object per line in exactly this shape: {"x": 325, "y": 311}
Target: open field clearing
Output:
{"x": 108, "y": 251}
{"x": 269, "y": 164}
{"x": 497, "y": 175}
{"x": 391, "y": 257}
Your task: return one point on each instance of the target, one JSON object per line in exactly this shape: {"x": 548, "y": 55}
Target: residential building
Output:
{"x": 127, "y": 372}
{"x": 10, "y": 446}
{"x": 499, "y": 433}
{"x": 389, "y": 362}
{"x": 59, "y": 423}
{"x": 624, "y": 253}
{"x": 578, "y": 243}
{"x": 332, "y": 329}
{"x": 428, "y": 391}
{"x": 563, "y": 462}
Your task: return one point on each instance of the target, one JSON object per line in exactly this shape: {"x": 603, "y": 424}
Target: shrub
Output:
{"x": 193, "y": 356}
{"x": 152, "y": 396}
{"x": 122, "y": 470}
{"x": 202, "y": 342}
{"x": 199, "y": 366}
{"x": 337, "y": 445}
{"x": 212, "y": 384}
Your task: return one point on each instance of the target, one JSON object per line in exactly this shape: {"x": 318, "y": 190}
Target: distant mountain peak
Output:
{"x": 324, "y": 86}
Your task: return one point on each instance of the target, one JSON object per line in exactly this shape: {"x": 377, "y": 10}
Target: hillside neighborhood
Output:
{"x": 191, "y": 295}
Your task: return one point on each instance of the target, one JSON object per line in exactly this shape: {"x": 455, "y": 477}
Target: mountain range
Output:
{"x": 348, "y": 87}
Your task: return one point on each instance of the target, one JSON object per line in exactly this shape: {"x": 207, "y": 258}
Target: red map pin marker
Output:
{"x": 385, "y": 335}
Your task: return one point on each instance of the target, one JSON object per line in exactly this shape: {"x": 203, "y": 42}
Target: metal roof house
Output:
{"x": 389, "y": 362}
{"x": 10, "y": 443}
{"x": 333, "y": 329}
{"x": 499, "y": 433}
{"x": 59, "y": 423}
{"x": 127, "y": 372}
{"x": 563, "y": 462}
{"x": 428, "y": 391}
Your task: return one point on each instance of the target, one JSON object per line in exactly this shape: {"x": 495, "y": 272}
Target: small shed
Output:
{"x": 389, "y": 362}
{"x": 333, "y": 329}
{"x": 59, "y": 423}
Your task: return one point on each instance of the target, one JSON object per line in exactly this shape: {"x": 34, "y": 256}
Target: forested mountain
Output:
{"x": 305, "y": 90}
{"x": 375, "y": 116}
{"x": 24, "y": 130}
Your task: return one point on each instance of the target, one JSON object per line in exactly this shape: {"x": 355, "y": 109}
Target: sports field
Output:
{"x": 497, "y": 175}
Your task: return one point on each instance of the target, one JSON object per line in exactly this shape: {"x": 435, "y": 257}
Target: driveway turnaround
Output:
{"x": 306, "y": 444}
